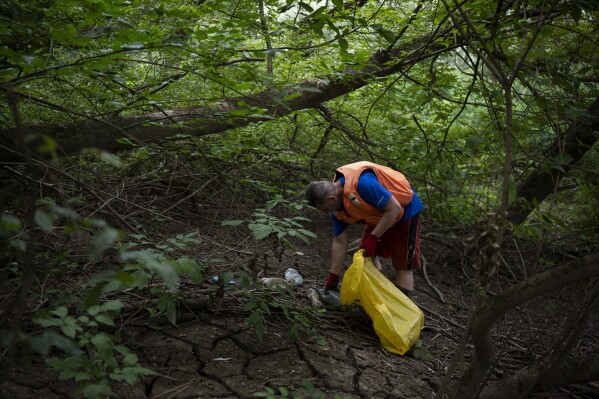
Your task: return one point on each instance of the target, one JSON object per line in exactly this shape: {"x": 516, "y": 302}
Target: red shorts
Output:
{"x": 394, "y": 244}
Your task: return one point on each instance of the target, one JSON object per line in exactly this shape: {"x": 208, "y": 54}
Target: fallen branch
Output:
{"x": 423, "y": 260}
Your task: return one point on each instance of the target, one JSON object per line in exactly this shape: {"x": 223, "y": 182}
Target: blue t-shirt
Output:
{"x": 376, "y": 195}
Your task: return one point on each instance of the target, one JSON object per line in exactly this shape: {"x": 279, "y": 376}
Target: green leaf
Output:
{"x": 101, "y": 318}
{"x": 156, "y": 263}
{"x": 45, "y": 321}
{"x": 167, "y": 305}
{"x": 103, "y": 344}
{"x": 423, "y": 354}
{"x": 111, "y": 159}
{"x": 91, "y": 298}
{"x": 10, "y": 224}
{"x": 42, "y": 343}
{"x": 307, "y": 233}
{"x": 575, "y": 12}
{"x": 386, "y": 34}
{"x": 70, "y": 330}
{"x": 82, "y": 376}
{"x": 95, "y": 390}
{"x": 104, "y": 240}
{"x": 60, "y": 311}
{"x": 291, "y": 96}
{"x": 43, "y": 220}
{"x": 305, "y": 6}
{"x": 124, "y": 140}
{"x": 132, "y": 374}
{"x": 130, "y": 359}
{"x": 474, "y": 140}
{"x": 191, "y": 268}
{"x": 260, "y": 231}
{"x": 290, "y": 4}
{"x": 343, "y": 45}
{"x": 66, "y": 367}
{"x": 257, "y": 321}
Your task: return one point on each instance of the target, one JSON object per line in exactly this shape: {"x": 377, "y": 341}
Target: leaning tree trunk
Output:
{"x": 580, "y": 137}
{"x": 118, "y": 134}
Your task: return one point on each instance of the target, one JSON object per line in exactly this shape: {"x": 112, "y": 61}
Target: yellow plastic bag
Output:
{"x": 396, "y": 319}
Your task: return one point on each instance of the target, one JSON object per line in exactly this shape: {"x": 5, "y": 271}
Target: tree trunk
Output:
{"x": 195, "y": 121}
{"x": 572, "y": 371}
{"x": 495, "y": 308}
{"x": 579, "y": 138}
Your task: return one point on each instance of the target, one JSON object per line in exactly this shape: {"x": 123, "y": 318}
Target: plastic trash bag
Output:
{"x": 396, "y": 319}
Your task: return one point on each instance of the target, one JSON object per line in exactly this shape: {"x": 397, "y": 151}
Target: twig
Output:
{"x": 453, "y": 323}
{"x": 188, "y": 196}
{"x": 423, "y": 259}
{"x": 174, "y": 391}
{"x": 507, "y": 265}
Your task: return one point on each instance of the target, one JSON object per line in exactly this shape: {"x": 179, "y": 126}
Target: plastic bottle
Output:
{"x": 329, "y": 297}
{"x": 294, "y": 277}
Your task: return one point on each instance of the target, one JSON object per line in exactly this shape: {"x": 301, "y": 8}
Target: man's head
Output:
{"x": 326, "y": 196}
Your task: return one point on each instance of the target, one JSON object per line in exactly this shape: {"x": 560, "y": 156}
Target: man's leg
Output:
{"x": 404, "y": 279}
{"x": 410, "y": 256}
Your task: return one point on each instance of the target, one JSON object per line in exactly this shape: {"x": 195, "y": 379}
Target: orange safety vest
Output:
{"x": 356, "y": 210}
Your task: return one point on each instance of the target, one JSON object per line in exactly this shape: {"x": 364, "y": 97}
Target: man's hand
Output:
{"x": 332, "y": 282}
{"x": 369, "y": 244}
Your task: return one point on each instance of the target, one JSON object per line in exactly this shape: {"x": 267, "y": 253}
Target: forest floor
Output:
{"x": 212, "y": 352}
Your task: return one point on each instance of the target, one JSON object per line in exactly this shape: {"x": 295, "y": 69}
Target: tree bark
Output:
{"x": 572, "y": 371}
{"x": 579, "y": 138}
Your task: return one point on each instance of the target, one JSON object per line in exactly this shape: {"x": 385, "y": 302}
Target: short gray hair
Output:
{"x": 318, "y": 191}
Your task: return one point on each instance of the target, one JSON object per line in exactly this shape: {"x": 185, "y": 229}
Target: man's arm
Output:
{"x": 391, "y": 211}
{"x": 338, "y": 252}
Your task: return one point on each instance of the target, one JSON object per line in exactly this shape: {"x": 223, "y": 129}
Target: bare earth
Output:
{"x": 212, "y": 352}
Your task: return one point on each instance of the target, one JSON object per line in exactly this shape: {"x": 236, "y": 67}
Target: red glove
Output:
{"x": 369, "y": 244}
{"x": 332, "y": 282}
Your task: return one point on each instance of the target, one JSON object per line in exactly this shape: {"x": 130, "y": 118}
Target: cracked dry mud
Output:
{"x": 214, "y": 360}
{"x": 213, "y": 353}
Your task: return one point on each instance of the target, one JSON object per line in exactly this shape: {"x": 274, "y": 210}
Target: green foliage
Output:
{"x": 262, "y": 301}
{"x": 265, "y": 225}
{"x": 91, "y": 358}
{"x": 439, "y": 117}
{"x": 419, "y": 352}
{"x": 142, "y": 263}
{"x": 89, "y": 353}
{"x": 12, "y": 238}
{"x": 440, "y": 122}
{"x": 259, "y": 309}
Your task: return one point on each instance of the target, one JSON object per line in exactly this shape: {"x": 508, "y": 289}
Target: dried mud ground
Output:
{"x": 213, "y": 353}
